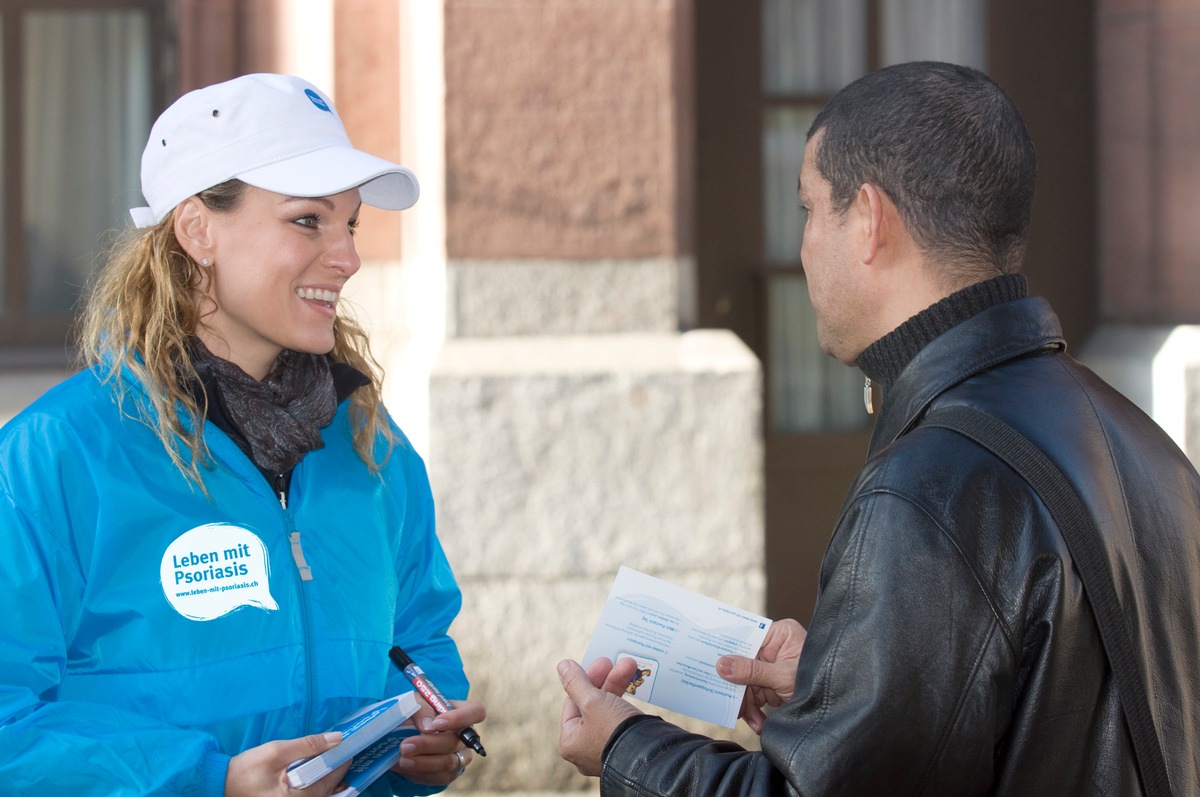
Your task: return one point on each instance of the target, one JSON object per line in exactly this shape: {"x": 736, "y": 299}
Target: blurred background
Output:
{"x": 594, "y": 323}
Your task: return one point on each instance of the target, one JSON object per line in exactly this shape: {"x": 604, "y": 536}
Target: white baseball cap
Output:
{"x": 275, "y": 132}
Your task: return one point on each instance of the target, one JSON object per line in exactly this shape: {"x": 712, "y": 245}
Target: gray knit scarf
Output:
{"x": 280, "y": 417}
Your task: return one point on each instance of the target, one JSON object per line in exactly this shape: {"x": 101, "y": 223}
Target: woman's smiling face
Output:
{"x": 278, "y": 267}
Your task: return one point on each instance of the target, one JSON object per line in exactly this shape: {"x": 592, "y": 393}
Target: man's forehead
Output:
{"x": 807, "y": 166}
{"x": 807, "y": 178}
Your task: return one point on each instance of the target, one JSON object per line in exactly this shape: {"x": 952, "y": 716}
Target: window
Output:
{"x": 811, "y": 48}
{"x": 79, "y": 85}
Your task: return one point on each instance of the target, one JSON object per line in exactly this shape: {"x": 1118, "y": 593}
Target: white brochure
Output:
{"x": 676, "y": 635}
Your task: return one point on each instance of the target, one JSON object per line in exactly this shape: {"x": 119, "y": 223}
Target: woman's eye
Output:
{"x": 353, "y": 225}
{"x": 312, "y": 221}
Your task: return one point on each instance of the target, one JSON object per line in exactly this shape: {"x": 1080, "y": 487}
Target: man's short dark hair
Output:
{"x": 949, "y": 148}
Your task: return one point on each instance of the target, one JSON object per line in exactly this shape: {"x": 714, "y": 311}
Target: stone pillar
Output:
{"x": 1192, "y": 413}
{"x": 389, "y": 91}
{"x": 1148, "y": 56}
{"x": 555, "y": 460}
{"x": 573, "y": 427}
{"x": 1148, "y": 59}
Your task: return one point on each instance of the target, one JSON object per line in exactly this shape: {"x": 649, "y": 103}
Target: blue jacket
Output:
{"x": 150, "y": 632}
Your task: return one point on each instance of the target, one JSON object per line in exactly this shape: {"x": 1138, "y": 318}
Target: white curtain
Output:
{"x": 808, "y": 389}
{"x": 87, "y": 79}
{"x": 935, "y": 30}
{"x": 814, "y": 47}
{"x": 784, "y": 131}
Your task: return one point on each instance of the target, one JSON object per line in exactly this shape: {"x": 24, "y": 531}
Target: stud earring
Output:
{"x": 204, "y": 262}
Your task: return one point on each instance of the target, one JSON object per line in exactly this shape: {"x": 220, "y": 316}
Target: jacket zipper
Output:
{"x": 304, "y": 573}
{"x": 293, "y": 535}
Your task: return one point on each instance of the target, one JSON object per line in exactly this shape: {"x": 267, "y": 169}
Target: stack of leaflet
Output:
{"x": 371, "y": 736}
{"x": 371, "y": 763}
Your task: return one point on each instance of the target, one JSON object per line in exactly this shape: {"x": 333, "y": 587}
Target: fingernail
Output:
{"x": 407, "y": 749}
{"x": 440, "y": 724}
{"x": 405, "y": 763}
{"x": 562, "y": 668}
{"x": 725, "y": 666}
{"x": 333, "y": 737}
{"x": 426, "y": 724}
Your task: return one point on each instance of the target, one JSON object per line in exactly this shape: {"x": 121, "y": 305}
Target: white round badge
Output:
{"x": 210, "y": 570}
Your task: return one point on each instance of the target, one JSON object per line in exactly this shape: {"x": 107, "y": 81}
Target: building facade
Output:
{"x": 594, "y": 322}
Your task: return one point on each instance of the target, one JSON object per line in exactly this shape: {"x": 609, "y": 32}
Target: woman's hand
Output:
{"x": 262, "y": 771}
{"x": 436, "y": 756}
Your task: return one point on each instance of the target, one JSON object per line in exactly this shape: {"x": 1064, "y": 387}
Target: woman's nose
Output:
{"x": 342, "y": 255}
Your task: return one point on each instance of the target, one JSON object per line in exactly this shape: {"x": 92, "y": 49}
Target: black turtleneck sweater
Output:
{"x": 884, "y": 359}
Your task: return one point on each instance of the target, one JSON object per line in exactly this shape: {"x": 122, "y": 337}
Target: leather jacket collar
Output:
{"x": 999, "y": 333}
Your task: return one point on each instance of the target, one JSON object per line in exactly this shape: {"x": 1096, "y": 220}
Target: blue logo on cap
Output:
{"x": 317, "y": 101}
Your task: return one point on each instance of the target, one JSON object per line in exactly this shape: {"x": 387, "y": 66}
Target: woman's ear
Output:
{"x": 192, "y": 229}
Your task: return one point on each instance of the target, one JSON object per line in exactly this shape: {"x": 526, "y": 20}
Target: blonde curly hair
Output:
{"x": 142, "y": 309}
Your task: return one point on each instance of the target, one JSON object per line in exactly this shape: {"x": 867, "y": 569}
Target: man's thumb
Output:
{"x": 572, "y": 677}
{"x": 740, "y": 670}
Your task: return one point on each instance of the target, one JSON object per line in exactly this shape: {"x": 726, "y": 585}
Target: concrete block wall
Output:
{"x": 556, "y": 459}
{"x": 20, "y": 386}
{"x": 489, "y": 298}
{"x": 1156, "y": 367}
{"x": 1193, "y": 414}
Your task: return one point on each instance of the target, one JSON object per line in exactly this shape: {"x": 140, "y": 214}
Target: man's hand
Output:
{"x": 262, "y": 771}
{"x": 593, "y": 709}
{"x": 771, "y": 676}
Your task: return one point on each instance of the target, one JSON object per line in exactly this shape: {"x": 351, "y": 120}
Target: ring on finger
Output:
{"x": 462, "y": 762}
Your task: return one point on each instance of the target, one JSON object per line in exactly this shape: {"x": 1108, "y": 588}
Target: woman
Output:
{"x": 212, "y": 536}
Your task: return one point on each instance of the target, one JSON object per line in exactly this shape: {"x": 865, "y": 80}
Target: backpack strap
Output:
{"x": 1073, "y": 520}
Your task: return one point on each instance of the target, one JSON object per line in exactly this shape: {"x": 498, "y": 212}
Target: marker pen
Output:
{"x": 432, "y": 695}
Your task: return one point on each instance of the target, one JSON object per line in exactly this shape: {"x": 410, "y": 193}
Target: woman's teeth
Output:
{"x": 316, "y": 294}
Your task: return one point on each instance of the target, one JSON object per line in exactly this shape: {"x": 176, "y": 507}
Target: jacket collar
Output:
{"x": 999, "y": 333}
{"x": 886, "y": 358}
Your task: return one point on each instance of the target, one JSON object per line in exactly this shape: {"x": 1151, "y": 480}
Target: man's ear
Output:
{"x": 884, "y": 230}
{"x": 872, "y": 206}
{"x": 192, "y": 228}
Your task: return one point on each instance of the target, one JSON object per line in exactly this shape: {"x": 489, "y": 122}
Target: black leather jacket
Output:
{"x": 952, "y": 650}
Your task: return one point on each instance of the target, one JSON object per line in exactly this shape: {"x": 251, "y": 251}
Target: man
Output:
{"x": 953, "y": 649}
